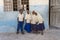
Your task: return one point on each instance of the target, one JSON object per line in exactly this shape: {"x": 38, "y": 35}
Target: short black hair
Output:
{"x": 21, "y": 10}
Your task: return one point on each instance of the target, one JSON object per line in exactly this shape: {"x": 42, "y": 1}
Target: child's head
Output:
{"x": 33, "y": 12}
{"x": 21, "y": 11}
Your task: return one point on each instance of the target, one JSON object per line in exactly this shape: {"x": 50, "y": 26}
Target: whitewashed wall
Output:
{"x": 8, "y": 20}
{"x": 1, "y": 5}
{"x": 39, "y": 2}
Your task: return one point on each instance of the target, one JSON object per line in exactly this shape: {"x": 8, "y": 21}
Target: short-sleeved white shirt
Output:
{"x": 40, "y": 19}
{"x": 34, "y": 19}
{"x": 20, "y": 16}
{"x": 28, "y": 18}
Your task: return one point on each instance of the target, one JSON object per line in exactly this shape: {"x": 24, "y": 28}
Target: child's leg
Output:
{"x": 21, "y": 27}
{"x": 32, "y": 27}
{"x": 43, "y": 27}
{"x": 42, "y": 33}
{"x": 18, "y": 27}
{"x": 37, "y": 29}
{"x": 34, "y": 30}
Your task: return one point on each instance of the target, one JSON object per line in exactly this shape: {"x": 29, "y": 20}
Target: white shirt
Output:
{"x": 40, "y": 19}
{"x": 20, "y": 16}
{"x": 34, "y": 19}
{"x": 28, "y": 18}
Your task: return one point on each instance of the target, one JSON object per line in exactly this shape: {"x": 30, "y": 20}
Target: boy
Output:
{"x": 28, "y": 22}
{"x": 20, "y": 21}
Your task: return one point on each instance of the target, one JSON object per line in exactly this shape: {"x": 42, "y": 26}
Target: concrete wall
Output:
{"x": 8, "y": 20}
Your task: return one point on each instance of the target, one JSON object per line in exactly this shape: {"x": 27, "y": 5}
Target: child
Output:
{"x": 20, "y": 21}
{"x": 40, "y": 26}
{"x": 28, "y": 20}
{"x": 34, "y": 22}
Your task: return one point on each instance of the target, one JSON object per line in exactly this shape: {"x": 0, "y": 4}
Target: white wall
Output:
{"x": 8, "y": 20}
{"x": 1, "y": 2}
{"x": 38, "y": 2}
{"x": 1, "y": 5}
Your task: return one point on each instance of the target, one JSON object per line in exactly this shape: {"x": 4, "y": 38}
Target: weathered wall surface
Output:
{"x": 55, "y": 13}
{"x": 8, "y": 20}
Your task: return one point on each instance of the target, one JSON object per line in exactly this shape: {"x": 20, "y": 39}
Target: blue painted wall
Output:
{"x": 8, "y": 20}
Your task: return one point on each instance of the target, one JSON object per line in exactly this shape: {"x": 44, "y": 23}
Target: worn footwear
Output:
{"x": 17, "y": 32}
{"x": 42, "y": 33}
{"x": 22, "y": 33}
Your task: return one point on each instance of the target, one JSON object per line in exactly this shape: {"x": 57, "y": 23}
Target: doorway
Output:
{"x": 54, "y": 14}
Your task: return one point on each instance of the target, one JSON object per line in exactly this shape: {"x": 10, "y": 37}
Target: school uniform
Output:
{"x": 40, "y": 25}
{"x": 20, "y": 22}
{"x": 28, "y": 24}
{"x": 34, "y": 23}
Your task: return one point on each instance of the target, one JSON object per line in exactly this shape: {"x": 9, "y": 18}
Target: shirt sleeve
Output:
{"x": 40, "y": 17}
{"x": 37, "y": 19}
{"x": 31, "y": 16}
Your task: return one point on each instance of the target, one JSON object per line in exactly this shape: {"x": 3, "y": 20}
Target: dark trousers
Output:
{"x": 20, "y": 26}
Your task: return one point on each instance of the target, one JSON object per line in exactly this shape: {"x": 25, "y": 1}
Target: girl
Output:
{"x": 20, "y": 21}
{"x": 40, "y": 26}
{"x": 28, "y": 22}
{"x": 34, "y": 22}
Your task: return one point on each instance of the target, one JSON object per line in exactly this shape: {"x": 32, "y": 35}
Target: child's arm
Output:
{"x": 31, "y": 18}
{"x": 24, "y": 19}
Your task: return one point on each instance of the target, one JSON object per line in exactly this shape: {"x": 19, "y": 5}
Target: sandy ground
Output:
{"x": 48, "y": 35}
